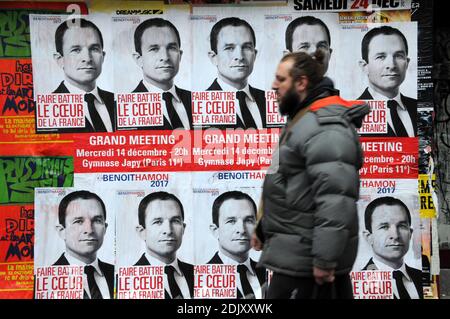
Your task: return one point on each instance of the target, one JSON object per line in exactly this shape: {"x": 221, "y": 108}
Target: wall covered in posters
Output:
{"x": 135, "y": 139}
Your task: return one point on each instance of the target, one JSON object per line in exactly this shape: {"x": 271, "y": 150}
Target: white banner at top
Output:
{"x": 348, "y": 5}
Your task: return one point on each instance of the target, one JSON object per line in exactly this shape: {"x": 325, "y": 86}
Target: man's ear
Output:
{"x": 301, "y": 84}
{"x": 367, "y": 236}
{"x": 214, "y": 230}
{"x": 61, "y": 231}
{"x": 141, "y": 232}
{"x": 138, "y": 59}
{"x": 212, "y": 57}
{"x": 59, "y": 59}
{"x": 363, "y": 65}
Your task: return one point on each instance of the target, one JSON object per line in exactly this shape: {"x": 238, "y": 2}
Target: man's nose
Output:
{"x": 238, "y": 53}
{"x": 86, "y": 54}
{"x": 394, "y": 232}
{"x": 167, "y": 227}
{"x": 390, "y": 62}
{"x": 87, "y": 227}
{"x": 311, "y": 50}
{"x": 239, "y": 227}
{"x": 163, "y": 54}
{"x": 275, "y": 85}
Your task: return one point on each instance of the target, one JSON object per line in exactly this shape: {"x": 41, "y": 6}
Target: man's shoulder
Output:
{"x": 182, "y": 93}
{"x": 62, "y": 261}
{"x": 215, "y": 86}
{"x": 365, "y": 95}
{"x": 105, "y": 93}
{"x": 186, "y": 266}
{"x": 140, "y": 88}
{"x": 215, "y": 259}
{"x": 408, "y": 101}
{"x": 143, "y": 261}
{"x": 257, "y": 92}
{"x": 105, "y": 266}
{"x": 413, "y": 271}
{"x": 61, "y": 88}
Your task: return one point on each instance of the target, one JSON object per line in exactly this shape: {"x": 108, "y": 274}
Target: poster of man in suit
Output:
{"x": 230, "y": 92}
{"x": 384, "y": 71}
{"x": 71, "y": 69}
{"x": 74, "y": 244}
{"x": 306, "y": 32}
{"x": 390, "y": 243}
{"x": 152, "y": 74}
{"x": 154, "y": 241}
{"x": 229, "y": 218}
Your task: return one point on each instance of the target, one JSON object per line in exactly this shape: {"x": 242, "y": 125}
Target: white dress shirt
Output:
{"x": 180, "y": 279}
{"x": 99, "y": 277}
{"x": 98, "y": 102}
{"x": 407, "y": 280}
{"x": 249, "y": 99}
{"x": 251, "y": 275}
{"x": 402, "y": 111}
{"x": 176, "y": 101}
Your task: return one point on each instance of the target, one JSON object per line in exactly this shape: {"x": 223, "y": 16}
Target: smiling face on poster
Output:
{"x": 154, "y": 49}
{"x": 78, "y": 223}
{"x": 155, "y": 225}
{"x": 163, "y": 228}
{"x": 76, "y": 51}
{"x": 228, "y": 219}
{"x": 389, "y": 230}
{"x": 385, "y": 62}
{"x": 285, "y": 32}
{"x": 229, "y": 51}
{"x": 233, "y": 53}
{"x": 72, "y": 74}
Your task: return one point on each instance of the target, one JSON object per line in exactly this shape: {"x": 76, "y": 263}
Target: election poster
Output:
{"x": 70, "y": 54}
{"x": 155, "y": 243}
{"x": 389, "y": 260}
{"x": 225, "y": 261}
{"x": 176, "y": 103}
{"x": 153, "y": 57}
{"x": 74, "y": 239}
{"x": 229, "y": 65}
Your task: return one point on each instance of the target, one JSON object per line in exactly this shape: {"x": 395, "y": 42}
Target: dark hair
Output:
{"x": 307, "y": 65}
{"x": 386, "y": 200}
{"x": 73, "y": 196}
{"x": 63, "y": 27}
{"x": 237, "y": 195}
{"x": 308, "y": 20}
{"x": 152, "y": 197}
{"x": 386, "y": 30}
{"x": 232, "y": 21}
{"x": 153, "y": 22}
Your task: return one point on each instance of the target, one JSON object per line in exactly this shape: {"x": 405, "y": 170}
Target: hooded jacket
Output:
{"x": 310, "y": 191}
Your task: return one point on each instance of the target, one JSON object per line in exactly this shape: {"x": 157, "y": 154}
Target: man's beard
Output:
{"x": 289, "y": 102}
